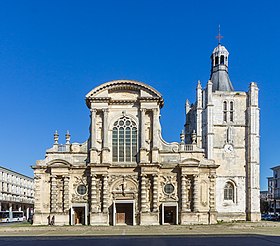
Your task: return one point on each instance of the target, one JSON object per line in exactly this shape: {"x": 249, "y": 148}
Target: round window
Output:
{"x": 82, "y": 190}
{"x": 168, "y": 188}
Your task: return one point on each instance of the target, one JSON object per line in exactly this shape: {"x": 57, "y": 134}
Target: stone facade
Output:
{"x": 125, "y": 173}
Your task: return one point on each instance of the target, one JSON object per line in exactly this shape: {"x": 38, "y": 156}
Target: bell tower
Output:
{"x": 219, "y": 70}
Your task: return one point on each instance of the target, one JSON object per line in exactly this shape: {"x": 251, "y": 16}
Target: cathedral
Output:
{"x": 126, "y": 174}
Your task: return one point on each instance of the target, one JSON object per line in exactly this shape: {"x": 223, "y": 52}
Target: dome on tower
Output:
{"x": 220, "y": 49}
{"x": 219, "y": 71}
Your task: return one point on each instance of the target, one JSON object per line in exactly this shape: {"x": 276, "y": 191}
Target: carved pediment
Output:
{"x": 129, "y": 90}
{"x": 59, "y": 163}
{"x": 190, "y": 161}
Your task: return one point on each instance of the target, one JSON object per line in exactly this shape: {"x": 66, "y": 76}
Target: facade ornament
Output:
{"x": 182, "y": 137}
{"x": 229, "y": 135}
{"x": 193, "y": 137}
{"x": 67, "y": 137}
{"x": 55, "y": 137}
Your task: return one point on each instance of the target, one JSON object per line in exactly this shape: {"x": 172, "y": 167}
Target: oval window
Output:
{"x": 168, "y": 188}
{"x": 82, "y": 190}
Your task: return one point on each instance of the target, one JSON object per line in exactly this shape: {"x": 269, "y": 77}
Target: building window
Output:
{"x": 216, "y": 60}
{"x": 231, "y": 111}
{"x": 229, "y": 192}
{"x": 169, "y": 188}
{"x": 225, "y": 111}
{"x": 124, "y": 140}
{"x": 81, "y": 190}
{"x": 222, "y": 60}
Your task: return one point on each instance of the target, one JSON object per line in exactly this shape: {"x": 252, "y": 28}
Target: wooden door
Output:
{"x": 121, "y": 218}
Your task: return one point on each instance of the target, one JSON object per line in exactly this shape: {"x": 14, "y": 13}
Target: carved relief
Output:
{"x": 79, "y": 180}
{"x": 165, "y": 195}
{"x": 125, "y": 186}
{"x": 204, "y": 193}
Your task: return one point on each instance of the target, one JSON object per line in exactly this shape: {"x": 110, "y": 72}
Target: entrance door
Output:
{"x": 169, "y": 215}
{"x": 79, "y": 215}
{"x": 124, "y": 213}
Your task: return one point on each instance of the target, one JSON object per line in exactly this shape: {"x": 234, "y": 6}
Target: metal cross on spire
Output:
{"x": 219, "y": 37}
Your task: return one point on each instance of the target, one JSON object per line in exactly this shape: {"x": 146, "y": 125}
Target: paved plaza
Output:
{"x": 267, "y": 228}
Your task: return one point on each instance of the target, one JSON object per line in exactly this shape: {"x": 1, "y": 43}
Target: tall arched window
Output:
{"x": 229, "y": 192}
{"x": 231, "y": 111}
{"x": 124, "y": 140}
{"x": 225, "y": 111}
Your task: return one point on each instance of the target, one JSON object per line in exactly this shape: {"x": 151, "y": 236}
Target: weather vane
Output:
{"x": 219, "y": 37}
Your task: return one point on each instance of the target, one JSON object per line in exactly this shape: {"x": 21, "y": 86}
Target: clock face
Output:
{"x": 228, "y": 148}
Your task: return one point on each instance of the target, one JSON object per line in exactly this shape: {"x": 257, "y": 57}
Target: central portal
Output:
{"x": 123, "y": 213}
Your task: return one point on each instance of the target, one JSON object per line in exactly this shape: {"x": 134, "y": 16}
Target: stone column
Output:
{"x": 93, "y": 194}
{"x": 93, "y": 150}
{"x": 53, "y": 194}
{"x": 195, "y": 193}
{"x": 155, "y": 193}
{"x": 105, "y": 194}
{"x": 143, "y": 193}
{"x": 183, "y": 194}
{"x": 66, "y": 194}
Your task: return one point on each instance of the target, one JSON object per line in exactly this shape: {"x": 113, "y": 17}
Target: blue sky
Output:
{"x": 52, "y": 52}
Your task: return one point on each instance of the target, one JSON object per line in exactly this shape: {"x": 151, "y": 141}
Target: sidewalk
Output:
{"x": 237, "y": 228}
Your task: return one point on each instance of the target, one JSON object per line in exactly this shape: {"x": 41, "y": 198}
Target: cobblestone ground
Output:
{"x": 238, "y": 228}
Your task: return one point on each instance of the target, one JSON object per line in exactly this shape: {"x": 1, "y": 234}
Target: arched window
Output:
{"x": 229, "y": 192}
{"x": 231, "y": 111}
{"x": 222, "y": 60}
{"x": 124, "y": 140}
{"x": 225, "y": 111}
{"x": 216, "y": 60}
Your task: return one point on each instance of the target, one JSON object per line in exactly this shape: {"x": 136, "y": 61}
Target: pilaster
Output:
{"x": 155, "y": 149}
{"x": 105, "y": 194}
{"x": 66, "y": 194}
{"x": 199, "y": 114}
{"x": 209, "y": 129}
{"x": 93, "y": 150}
{"x": 155, "y": 193}
{"x": 143, "y": 193}
{"x": 53, "y": 194}
{"x": 253, "y": 168}
{"x": 105, "y": 148}
{"x": 143, "y": 149}
{"x": 195, "y": 193}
